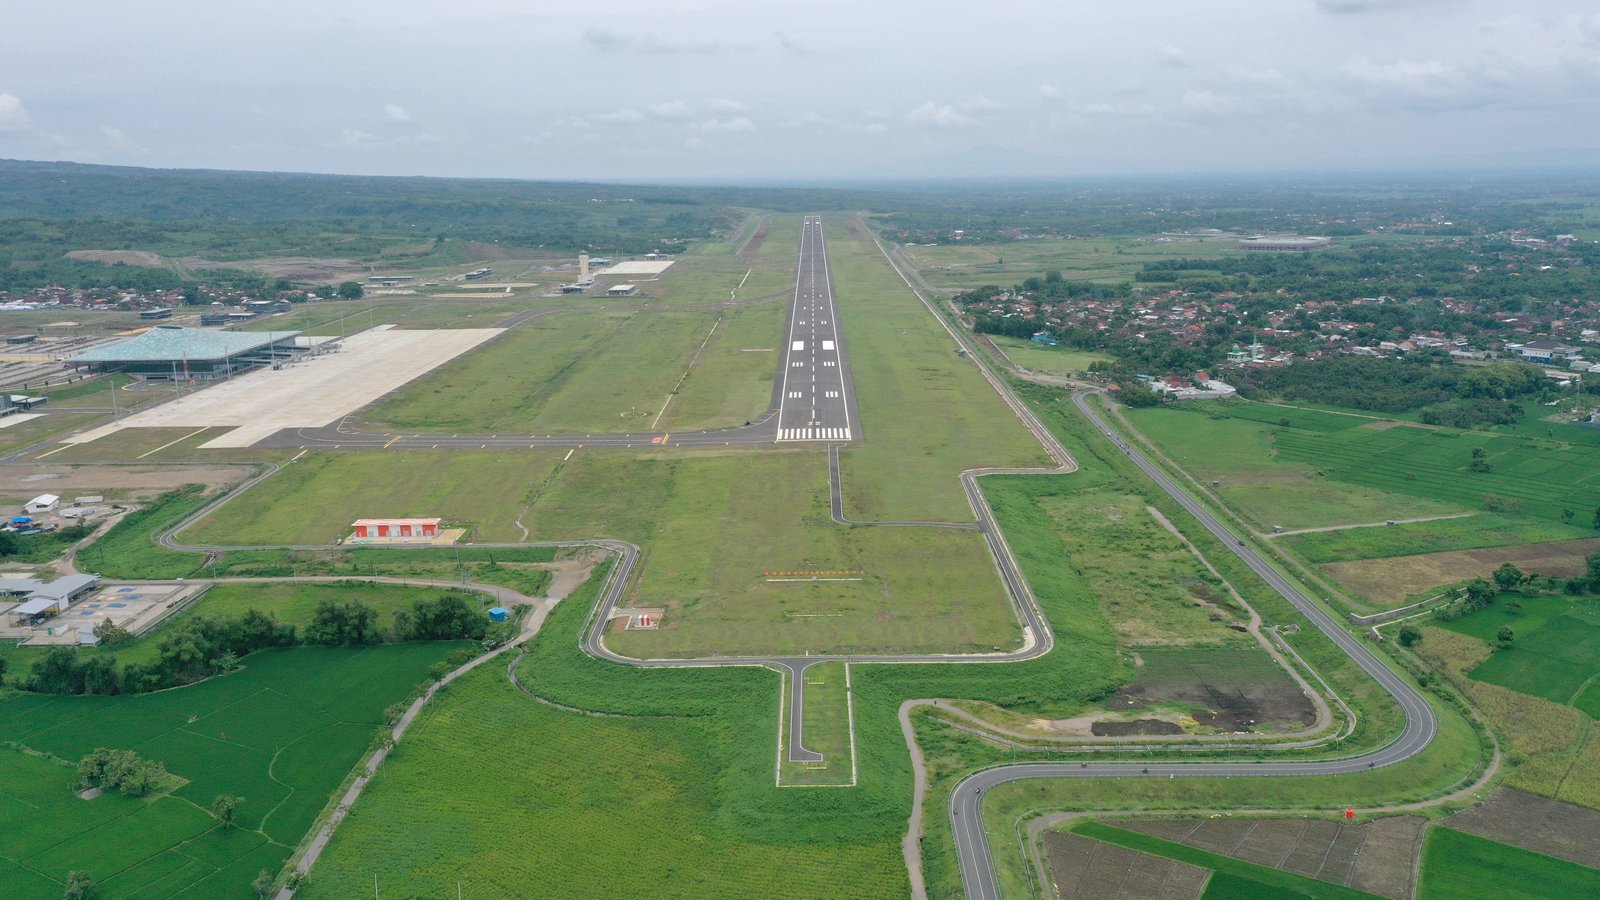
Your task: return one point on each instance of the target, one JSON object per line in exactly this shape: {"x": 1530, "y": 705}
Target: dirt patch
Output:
{"x": 1219, "y": 691}
{"x": 1389, "y": 581}
{"x": 1534, "y": 823}
{"x": 1086, "y": 868}
{"x": 1377, "y": 857}
{"x": 752, "y": 247}
{"x": 1135, "y": 727}
{"x": 294, "y": 268}
{"x": 126, "y": 257}
{"x": 120, "y": 482}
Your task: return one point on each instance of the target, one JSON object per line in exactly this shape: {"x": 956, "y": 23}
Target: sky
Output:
{"x": 757, "y": 90}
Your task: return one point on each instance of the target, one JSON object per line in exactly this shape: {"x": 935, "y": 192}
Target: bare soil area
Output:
{"x": 126, "y": 257}
{"x": 1388, "y": 581}
{"x": 293, "y": 268}
{"x": 1377, "y": 857}
{"x": 1534, "y": 823}
{"x": 118, "y": 482}
{"x": 752, "y": 247}
{"x": 1092, "y": 870}
{"x": 1213, "y": 700}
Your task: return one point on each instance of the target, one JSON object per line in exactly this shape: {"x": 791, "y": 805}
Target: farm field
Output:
{"x": 1261, "y": 481}
{"x": 1230, "y": 877}
{"x": 962, "y": 266}
{"x": 1041, "y": 358}
{"x": 1377, "y": 856}
{"x": 271, "y": 733}
{"x": 1460, "y": 865}
{"x": 925, "y": 413}
{"x": 1555, "y": 653}
{"x": 1390, "y": 580}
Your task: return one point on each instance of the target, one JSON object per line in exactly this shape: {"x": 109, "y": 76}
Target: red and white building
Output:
{"x": 395, "y": 529}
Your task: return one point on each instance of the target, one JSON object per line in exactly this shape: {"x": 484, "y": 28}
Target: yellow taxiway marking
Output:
{"x": 53, "y": 452}
{"x": 391, "y": 442}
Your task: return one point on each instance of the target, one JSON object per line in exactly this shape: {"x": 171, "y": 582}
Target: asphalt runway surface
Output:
{"x": 978, "y": 875}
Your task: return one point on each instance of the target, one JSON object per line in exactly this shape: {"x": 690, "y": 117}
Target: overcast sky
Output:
{"x": 770, "y": 89}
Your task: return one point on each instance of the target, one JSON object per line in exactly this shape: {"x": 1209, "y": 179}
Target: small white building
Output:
{"x": 620, "y": 290}
{"x": 42, "y": 504}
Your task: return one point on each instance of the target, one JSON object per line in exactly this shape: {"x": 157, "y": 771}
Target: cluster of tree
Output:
{"x": 120, "y": 770}
{"x": 195, "y": 648}
{"x": 1471, "y": 413}
{"x": 448, "y": 618}
{"x": 201, "y": 646}
{"x": 1392, "y": 385}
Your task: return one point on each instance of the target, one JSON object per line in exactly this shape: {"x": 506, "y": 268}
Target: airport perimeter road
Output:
{"x": 815, "y": 400}
{"x": 966, "y": 817}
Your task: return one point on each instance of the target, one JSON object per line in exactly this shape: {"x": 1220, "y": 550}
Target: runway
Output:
{"x": 813, "y": 398}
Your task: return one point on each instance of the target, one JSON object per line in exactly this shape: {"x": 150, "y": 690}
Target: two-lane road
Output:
{"x": 966, "y": 818}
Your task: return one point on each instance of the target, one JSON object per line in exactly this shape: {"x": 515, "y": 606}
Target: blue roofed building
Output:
{"x": 168, "y": 351}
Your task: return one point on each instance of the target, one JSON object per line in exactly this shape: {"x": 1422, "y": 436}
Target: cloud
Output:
{"x": 115, "y": 137}
{"x": 671, "y": 111}
{"x": 618, "y": 117}
{"x": 791, "y": 46}
{"x": 965, "y": 114}
{"x": 1414, "y": 83}
{"x": 724, "y": 105}
{"x": 351, "y": 137}
{"x": 14, "y": 118}
{"x": 737, "y": 123}
{"x": 396, "y": 113}
{"x": 1359, "y": 7}
{"x": 1049, "y": 92}
{"x": 609, "y": 41}
{"x": 1173, "y": 58}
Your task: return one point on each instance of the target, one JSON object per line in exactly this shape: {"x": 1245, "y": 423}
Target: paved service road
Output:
{"x": 972, "y": 846}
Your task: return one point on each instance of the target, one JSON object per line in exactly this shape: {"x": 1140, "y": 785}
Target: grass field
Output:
{"x": 673, "y": 796}
{"x": 731, "y": 382}
{"x": 962, "y": 266}
{"x": 1231, "y": 877}
{"x": 314, "y": 500}
{"x": 1041, "y": 358}
{"x": 827, "y": 731}
{"x": 1263, "y": 483}
{"x": 711, "y": 527}
{"x": 926, "y": 414}
{"x": 1150, "y": 585}
{"x": 272, "y": 733}
{"x": 1462, "y": 866}
{"x": 1472, "y": 532}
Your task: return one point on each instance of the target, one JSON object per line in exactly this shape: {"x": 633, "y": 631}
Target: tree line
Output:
{"x": 201, "y": 646}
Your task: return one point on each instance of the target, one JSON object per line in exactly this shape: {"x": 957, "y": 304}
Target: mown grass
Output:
{"x": 314, "y": 500}
{"x": 1232, "y": 878}
{"x": 272, "y": 733}
{"x": 926, "y": 414}
{"x": 1462, "y": 866}
{"x": 960, "y": 266}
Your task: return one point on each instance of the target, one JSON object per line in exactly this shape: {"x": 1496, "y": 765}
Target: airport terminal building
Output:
{"x": 188, "y": 354}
